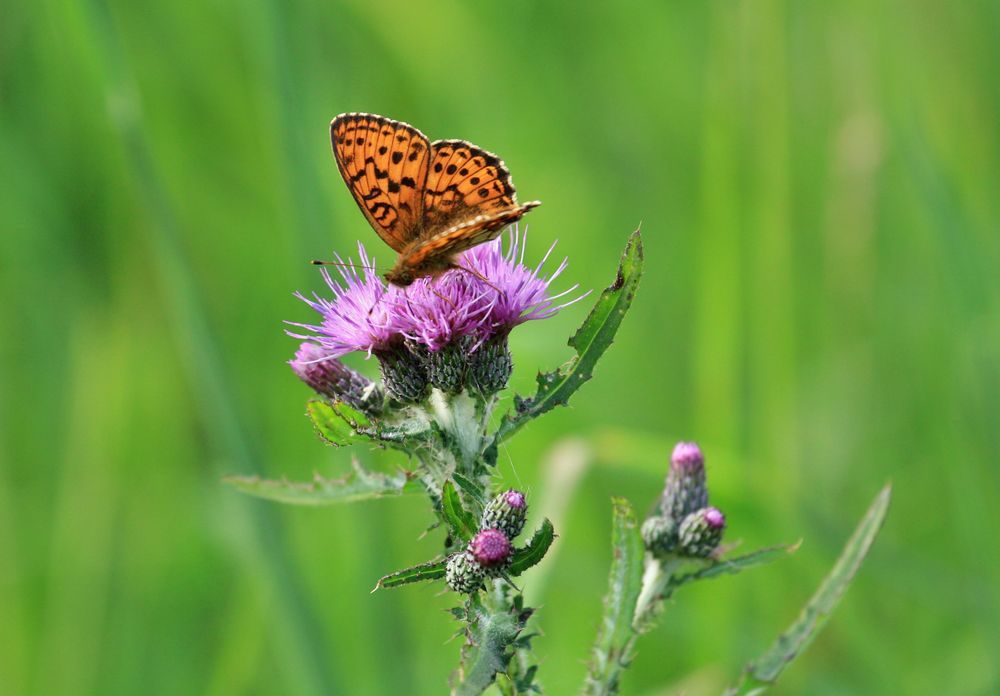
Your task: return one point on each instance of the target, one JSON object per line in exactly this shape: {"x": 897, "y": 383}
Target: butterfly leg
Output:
{"x": 476, "y": 274}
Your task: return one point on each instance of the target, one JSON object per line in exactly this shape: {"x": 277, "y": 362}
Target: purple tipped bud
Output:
{"x": 506, "y": 512}
{"x": 490, "y": 548}
{"x": 714, "y": 518}
{"x": 686, "y": 489}
{"x": 462, "y": 573}
{"x": 701, "y": 532}
{"x": 687, "y": 454}
{"x": 331, "y": 378}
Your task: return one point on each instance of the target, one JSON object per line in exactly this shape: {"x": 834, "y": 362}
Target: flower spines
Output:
{"x": 490, "y": 366}
{"x": 701, "y": 532}
{"x": 404, "y": 373}
{"x": 463, "y": 573}
{"x": 506, "y": 512}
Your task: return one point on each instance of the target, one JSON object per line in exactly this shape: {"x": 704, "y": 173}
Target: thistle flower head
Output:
{"x": 490, "y": 292}
{"x": 491, "y": 548}
{"x": 331, "y": 378}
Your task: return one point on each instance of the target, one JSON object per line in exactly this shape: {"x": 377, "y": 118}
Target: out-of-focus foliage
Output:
{"x": 817, "y": 186}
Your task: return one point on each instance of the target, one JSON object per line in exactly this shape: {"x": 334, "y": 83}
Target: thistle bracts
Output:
{"x": 463, "y": 573}
{"x": 329, "y": 377}
{"x": 701, "y": 532}
{"x": 685, "y": 490}
{"x": 506, "y": 512}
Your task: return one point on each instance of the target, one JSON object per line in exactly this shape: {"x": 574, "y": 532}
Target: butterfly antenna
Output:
{"x": 316, "y": 262}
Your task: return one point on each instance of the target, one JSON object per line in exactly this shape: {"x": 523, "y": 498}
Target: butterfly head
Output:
{"x": 400, "y": 276}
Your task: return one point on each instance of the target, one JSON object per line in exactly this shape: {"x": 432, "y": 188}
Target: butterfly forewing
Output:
{"x": 384, "y": 164}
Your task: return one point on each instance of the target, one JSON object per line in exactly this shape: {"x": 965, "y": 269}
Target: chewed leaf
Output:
{"x": 340, "y": 424}
{"x": 462, "y": 522}
{"x": 534, "y": 551}
{"x": 766, "y": 669}
{"x": 432, "y": 570}
{"x": 359, "y": 484}
{"x": 590, "y": 341}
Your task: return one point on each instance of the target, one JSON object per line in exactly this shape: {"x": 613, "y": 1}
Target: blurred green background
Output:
{"x": 818, "y": 189}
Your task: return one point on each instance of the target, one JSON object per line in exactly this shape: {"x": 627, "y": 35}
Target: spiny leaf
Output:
{"x": 766, "y": 669}
{"x": 488, "y": 652}
{"x": 731, "y": 566}
{"x": 590, "y": 341}
{"x": 616, "y": 635}
{"x": 432, "y": 570}
{"x": 359, "y": 484}
{"x": 461, "y": 521}
{"x": 534, "y": 551}
{"x": 329, "y": 424}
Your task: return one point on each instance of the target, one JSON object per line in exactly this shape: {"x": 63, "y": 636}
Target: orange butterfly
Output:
{"x": 428, "y": 201}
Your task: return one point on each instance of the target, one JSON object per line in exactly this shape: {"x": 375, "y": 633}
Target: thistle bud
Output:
{"x": 331, "y": 378}
{"x": 506, "y": 512}
{"x": 490, "y": 366}
{"x": 659, "y": 534}
{"x": 463, "y": 574}
{"x": 403, "y": 373}
{"x": 701, "y": 532}
{"x": 685, "y": 490}
{"x": 491, "y": 549}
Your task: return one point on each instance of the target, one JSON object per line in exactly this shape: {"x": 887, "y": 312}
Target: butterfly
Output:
{"x": 428, "y": 201}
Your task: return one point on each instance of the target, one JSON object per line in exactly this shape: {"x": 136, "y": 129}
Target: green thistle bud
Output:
{"x": 701, "y": 532}
{"x": 490, "y": 366}
{"x": 463, "y": 574}
{"x": 686, "y": 489}
{"x": 659, "y": 534}
{"x": 403, "y": 374}
{"x": 506, "y": 512}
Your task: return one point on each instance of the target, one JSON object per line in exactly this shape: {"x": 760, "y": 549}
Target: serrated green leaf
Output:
{"x": 341, "y": 424}
{"x": 590, "y": 341}
{"x": 765, "y": 670}
{"x": 488, "y": 652}
{"x": 359, "y": 484}
{"x": 462, "y": 522}
{"x": 535, "y": 549}
{"x": 612, "y": 651}
{"x": 432, "y": 570}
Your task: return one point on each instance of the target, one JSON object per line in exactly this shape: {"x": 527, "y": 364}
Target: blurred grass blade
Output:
{"x": 612, "y": 651}
{"x": 535, "y": 550}
{"x": 359, "y": 484}
{"x": 462, "y": 522}
{"x": 432, "y": 570}
{"x": 590, "y": 341}
{"x": 766, "y": 669}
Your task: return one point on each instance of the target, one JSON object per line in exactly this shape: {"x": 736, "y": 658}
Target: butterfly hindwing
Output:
{"x": 384, "y": 164}
{"x": 464, "y": 181}
{"x": 467, "y": 234}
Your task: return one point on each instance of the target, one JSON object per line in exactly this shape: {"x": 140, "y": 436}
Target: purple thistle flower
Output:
{"x": 490, "y": 548}
{"x": 365, "y": 315}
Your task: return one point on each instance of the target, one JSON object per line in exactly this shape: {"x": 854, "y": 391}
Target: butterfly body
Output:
{"x": 427, "y": 201}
